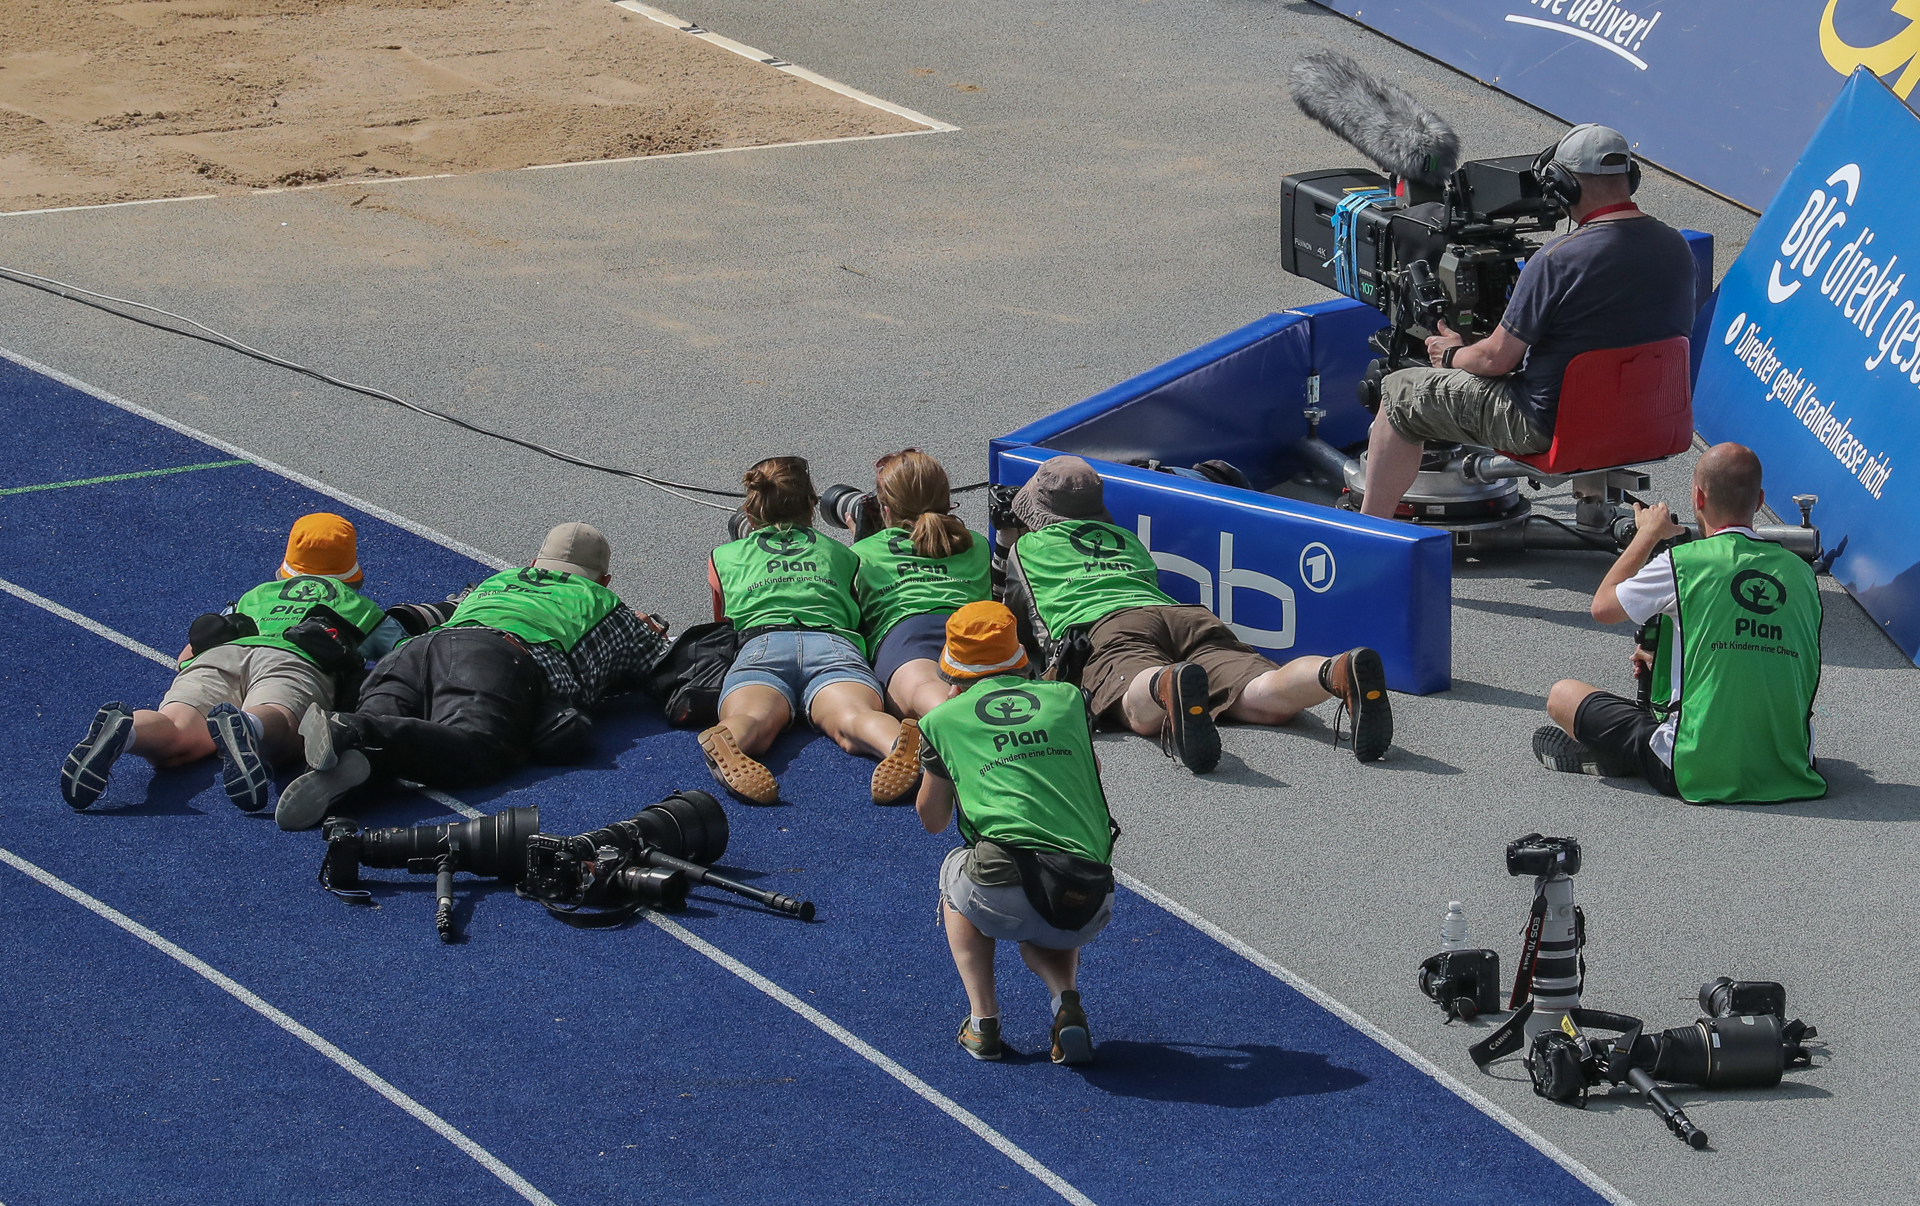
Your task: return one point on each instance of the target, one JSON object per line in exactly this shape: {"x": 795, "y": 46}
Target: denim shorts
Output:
{"x": 798, "y": 665}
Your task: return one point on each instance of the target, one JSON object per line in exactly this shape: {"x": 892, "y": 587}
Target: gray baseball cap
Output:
{"x": 1594, "y": 150}
{"x": 574, "y": 548}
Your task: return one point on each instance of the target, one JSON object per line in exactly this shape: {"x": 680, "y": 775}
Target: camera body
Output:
{"x": 1535, "y": 854}
{"x": 571, "y": 872}
{"x": 1448, "y": 254}
{"x": 1464, "y": 983}
{"x": 851, "y": 510}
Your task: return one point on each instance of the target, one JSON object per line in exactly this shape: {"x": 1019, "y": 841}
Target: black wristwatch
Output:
{"x": 1446, "y": 357}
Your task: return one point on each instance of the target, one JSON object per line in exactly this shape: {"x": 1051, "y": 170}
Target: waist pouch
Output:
{"x": 213, "y": 630}
{"x": 328, "y": 640}
{"x": 1065, "y": 889}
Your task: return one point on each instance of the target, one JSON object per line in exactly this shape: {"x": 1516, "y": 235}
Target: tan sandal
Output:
{"x": 900, "y": 769}
{"x": 738, "y": 773}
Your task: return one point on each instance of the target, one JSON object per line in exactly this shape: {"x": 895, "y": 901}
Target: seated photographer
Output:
{"x": 249, "y": 673}
{"x": 1085, "y": 587}
{"x": 1618, "y": 279}
{"x": 913, "y": 574}
{"x": 1036, "y": 867}
{"x": 1741, "y": 640}
{"x": 788, "y": 591}
{"x": 507, "y": 674}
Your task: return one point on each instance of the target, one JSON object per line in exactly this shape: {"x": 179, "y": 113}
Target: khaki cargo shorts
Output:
{"x": 1453, "y": 406}
{"x": 247, "y": 676}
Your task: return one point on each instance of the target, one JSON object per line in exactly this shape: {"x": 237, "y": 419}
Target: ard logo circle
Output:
{"x": 784, "y": 542}
{"x": 1007, "y": 707}
{"x": 1095, "y": 540}
{"x": 1759, "y": 593}
{"x": 307, "y": 590}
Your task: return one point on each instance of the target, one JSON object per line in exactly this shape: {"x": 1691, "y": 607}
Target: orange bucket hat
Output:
{"x": 981, "y": 641}
{"x": 322, "y": 545}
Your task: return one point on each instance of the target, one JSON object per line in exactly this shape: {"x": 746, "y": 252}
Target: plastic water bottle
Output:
{"x": 1453, "y": 928}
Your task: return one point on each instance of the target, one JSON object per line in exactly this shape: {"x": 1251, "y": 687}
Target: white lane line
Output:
{"x": 765, "y": 146}
{"x": 94, "y": 626}
{"x": 933, "y": 124}
{"x": 63, "y": 209}
{"x": 876, "y": 1057}
{"x": 280, "y": 1018}
{"x": 380, "y": 513}
{"x": 1580, "y": 1172}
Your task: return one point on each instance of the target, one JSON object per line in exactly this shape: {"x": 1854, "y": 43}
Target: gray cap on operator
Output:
{"x": 1594, "y": 150}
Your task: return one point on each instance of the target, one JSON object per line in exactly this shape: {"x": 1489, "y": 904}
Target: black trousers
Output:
{"x": 1604, "y": 721}
{"x": 453, "y": 708}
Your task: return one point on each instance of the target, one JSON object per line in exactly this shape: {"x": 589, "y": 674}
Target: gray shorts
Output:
{"x": 1003, "y": 910}
{"x": 247, "y": 676}
{"x": 1453, "y": 406}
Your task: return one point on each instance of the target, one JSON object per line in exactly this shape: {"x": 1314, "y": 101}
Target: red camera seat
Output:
{"x": 1620, "y": 406}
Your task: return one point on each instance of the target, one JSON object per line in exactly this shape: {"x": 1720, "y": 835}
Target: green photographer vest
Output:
{"x": 895, "y": 582}
{"x": 1081, "y": 569}
{"x": 1021, "y": 756}
{"x": 277, "y": 606}
{"x": 789, "y": 576}
{"x": 542, "y": 607}
{"x": 1749, "y": 667}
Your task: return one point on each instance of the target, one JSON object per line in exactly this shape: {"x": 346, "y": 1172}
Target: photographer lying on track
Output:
{"x": 1014, "y": 758}
{"x": 1083, "y": 586}
{"x": 1741, "y": 639}
{"x": 249, "y": 673}
{"x": 1618, "y": 279}
{"x": 510, "y": 674}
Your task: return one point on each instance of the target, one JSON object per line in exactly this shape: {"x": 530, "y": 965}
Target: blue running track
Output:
{"x": 692, "y": 1059}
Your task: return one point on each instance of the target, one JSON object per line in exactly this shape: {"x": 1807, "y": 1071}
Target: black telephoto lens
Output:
{"x": 689, "y": 825}
{"x": 494, "y": 845}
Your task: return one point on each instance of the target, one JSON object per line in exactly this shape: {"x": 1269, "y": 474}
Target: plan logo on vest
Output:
{"x": 784, "y": 542}
{"x": 307, "y": 590}
{"x": 1760, "y": 593}
{"x": 1007, "y": 706}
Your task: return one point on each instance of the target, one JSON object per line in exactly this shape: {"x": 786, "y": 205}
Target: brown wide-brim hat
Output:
{"x": 1066, "y": 487}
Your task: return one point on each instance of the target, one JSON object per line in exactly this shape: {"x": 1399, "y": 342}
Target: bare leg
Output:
{"x": 1565, "y": 700}
{"x": 916, "y": 688}
{"x": 1393, "y": 461}
{"x": 755, "y": 714}
{"x": 1139, "y": 708}
{"x": 1281, "y": 693}
{"x": 1056, "y": 969}
{"x": 849, "y": 713}
{"x": 973, "y": 956}
{"x": 173, "y": 736}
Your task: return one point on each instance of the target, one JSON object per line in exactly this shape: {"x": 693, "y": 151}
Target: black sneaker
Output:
{"x": 1359, "y": 681}
{"x": 1072, "y": 1044}
{"x": 317, "y": 738}
{"x": 1189, "y": 733}
{"x": 242, "y": 771}
{"x": 1557, "y": 751}
{"x": 83, "y": 776}
{"x": 309, "y": 800}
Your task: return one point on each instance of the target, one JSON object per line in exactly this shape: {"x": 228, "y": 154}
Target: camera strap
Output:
{"x": 1529, "y": 952}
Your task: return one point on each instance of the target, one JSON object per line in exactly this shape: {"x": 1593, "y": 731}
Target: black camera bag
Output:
{"x": 687, "y": 680}
{"x": 213, "y": 630}
{"x": 328, "y": 639}
{"x": 1065, "y": 889}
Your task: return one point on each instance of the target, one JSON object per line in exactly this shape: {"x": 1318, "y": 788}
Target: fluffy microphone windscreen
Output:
{"x": 1380, "y": 120}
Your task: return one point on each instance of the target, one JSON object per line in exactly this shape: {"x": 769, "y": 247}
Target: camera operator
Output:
{"x": 510, "y": 674}
{"x": 913, "y": 574}
{"x": 1039, "y": 840}
{"x": 1618, "y": 279}
{"x": 1082, "y": 585}
{"x": 1742, "y": 643}
{"x": 249, "y": 673}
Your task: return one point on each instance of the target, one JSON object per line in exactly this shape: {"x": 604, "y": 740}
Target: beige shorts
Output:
{"x": 1003, "y": 910}
{"x": 247, "y": 676}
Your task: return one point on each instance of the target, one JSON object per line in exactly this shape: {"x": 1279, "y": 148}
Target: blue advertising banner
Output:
{"x": 1813, "y": 356}
{"x": 1723, "y": 92}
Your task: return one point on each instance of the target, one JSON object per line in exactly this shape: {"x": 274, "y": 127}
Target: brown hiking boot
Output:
{"x": 894, "y": 778}
{"x": 736, "y": 772}
{"x": 1183, "y": 694}
{"x": 1359, "y": 681}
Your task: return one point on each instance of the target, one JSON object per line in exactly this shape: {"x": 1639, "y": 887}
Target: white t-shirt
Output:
{"x": 1651, "y": 592}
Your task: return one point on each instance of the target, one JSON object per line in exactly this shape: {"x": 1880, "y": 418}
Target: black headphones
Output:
{"x": 1561, "y": 186}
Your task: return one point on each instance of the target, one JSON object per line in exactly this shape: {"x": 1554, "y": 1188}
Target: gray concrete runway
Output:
{"x": 1109, "y": 202}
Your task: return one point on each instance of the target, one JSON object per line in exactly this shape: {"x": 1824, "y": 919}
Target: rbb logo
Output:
{"x": 1317, "y": 568}
{"x": 307, "y": 590}
{"x": 1759, "y": 593}
{"x": 1232, "y": 578}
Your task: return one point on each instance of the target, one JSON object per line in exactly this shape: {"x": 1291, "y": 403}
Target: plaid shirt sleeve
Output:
{"x": 614, "y": 656}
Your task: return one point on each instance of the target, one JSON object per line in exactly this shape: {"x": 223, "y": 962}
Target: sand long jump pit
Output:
{"x": 106, "y": 102}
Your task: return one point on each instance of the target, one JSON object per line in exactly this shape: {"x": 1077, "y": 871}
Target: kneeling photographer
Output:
{"x": 1619, "y": 278}
{"x": 1014, "y": 758}
{"x": 1738, "y": 624}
